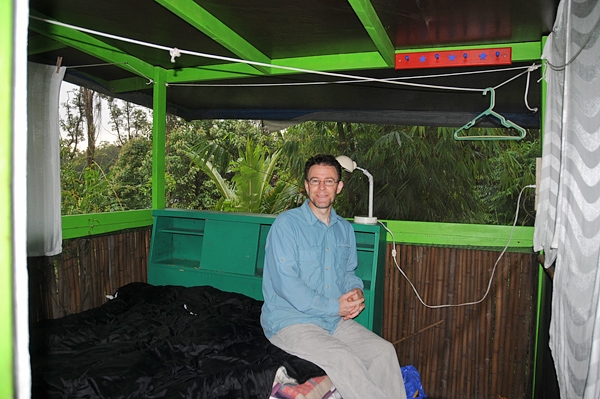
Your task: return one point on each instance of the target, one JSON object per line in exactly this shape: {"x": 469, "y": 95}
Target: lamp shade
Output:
{"x": 347, "y": 163}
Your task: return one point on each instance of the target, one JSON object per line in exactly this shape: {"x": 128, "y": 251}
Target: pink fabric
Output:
{"x": 314, "y": 388}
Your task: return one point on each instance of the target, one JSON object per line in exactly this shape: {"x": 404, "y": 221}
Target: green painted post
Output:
{"x": 6, "y": 217}
{"x": 537, "y": 358}
{"x": 159, "y": 116}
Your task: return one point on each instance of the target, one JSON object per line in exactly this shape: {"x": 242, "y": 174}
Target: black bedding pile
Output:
{"x": 160, "y": 342}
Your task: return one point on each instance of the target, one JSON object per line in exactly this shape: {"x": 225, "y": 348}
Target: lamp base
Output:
{"x": 365, "y": 219}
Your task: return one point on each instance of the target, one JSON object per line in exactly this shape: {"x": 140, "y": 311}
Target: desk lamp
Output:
{"x": 349, "y": 165}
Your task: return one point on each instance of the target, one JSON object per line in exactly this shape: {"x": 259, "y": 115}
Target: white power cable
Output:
{"x": 493, "y": 270}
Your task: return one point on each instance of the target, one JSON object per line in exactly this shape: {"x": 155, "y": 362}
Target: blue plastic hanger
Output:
{"x": 505, "y": 122}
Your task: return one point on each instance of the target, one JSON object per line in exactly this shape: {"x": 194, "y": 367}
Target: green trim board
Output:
{"x": 462, "y": 235}
{"x": 404, "y": 232}
{"x": 75, "y": 226}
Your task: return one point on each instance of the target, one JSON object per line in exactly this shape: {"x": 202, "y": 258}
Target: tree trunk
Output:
{"x": 88, "y": 108}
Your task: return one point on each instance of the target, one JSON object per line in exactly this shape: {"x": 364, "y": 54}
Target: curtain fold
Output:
{"x": 44, "y": 228}
{"x": 567, "y": 226}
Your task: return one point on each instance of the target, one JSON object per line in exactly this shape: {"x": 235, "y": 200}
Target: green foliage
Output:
{"x": 420, "y": 173}
{"x": 250, "y": 188}
{"x": 132, "y": 174}
{"x": 87, "y": 191}
{"x": 186, "y": 185}
{"x": 511, "y": 170}
{"x": 127, "y": 120}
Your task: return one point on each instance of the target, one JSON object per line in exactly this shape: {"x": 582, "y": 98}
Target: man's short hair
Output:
{"x": 323, "y": 159}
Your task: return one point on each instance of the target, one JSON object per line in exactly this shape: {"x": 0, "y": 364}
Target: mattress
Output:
{"x": 152, "y": 341}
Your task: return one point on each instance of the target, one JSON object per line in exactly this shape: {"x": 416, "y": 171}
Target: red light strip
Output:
{"x": 454, "y": 58}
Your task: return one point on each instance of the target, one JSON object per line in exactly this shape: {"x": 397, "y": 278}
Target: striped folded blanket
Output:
{"x": 314, "y": 388}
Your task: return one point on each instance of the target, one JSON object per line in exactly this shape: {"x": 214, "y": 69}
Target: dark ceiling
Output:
{"x": 300, "y": 59}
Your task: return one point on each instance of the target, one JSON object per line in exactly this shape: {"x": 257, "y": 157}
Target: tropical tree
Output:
{"x": 85, "y": 164}
{"x": 91, "y": 109}
{"x": 128, "y": 121}
{"x": 420, "y": 173}
{"x": 253, "y": 187}
{"x": 131, "y": 176}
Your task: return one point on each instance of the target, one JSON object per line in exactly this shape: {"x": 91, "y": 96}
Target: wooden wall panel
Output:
{"x": 483, "y": 350}
{"x": 85, "y": 272}
{"x": 477, "y": 351}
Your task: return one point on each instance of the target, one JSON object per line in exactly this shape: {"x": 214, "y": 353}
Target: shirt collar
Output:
{"x": 312, "y": 219}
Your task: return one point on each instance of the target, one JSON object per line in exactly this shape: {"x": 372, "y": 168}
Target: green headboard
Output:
{"x": 226, "y": 250}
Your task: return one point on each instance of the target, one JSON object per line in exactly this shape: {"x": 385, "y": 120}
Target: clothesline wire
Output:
{"x": 174, "y": 52}
{"x": 385, "y": 80}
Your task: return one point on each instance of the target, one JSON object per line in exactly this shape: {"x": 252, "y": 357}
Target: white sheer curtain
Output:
{"x": 44, "y": 229}
{"x": 567, "y": 226}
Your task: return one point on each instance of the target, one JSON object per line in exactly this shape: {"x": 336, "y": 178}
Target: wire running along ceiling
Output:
{"x": 297, "y": 60}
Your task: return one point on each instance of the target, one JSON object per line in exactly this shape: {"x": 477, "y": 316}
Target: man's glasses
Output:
{"x": 328, "y": 182}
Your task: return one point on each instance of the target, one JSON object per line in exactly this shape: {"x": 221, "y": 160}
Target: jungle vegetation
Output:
{"x": 421, "y": 173}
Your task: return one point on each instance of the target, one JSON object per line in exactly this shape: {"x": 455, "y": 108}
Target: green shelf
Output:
{"x": 227, "y": 250}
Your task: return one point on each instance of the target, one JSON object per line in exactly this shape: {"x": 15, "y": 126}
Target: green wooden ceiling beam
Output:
{"x": 199, "y": 18}
{"x": 90, "y": 45}
{"x": 129, "y": 84}
{"x": 521, "y": 52}
{"x": 324, "y": 63}
{"x": 40, "y": 44}
{"x": 368, "y": 17}
{"x": 332, "y": 62}
{"x": 211, "y": 72}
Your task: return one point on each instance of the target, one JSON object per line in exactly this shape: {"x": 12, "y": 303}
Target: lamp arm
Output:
{"x": 370, "y": 177}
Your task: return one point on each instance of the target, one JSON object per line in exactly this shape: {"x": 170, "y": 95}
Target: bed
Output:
{"x": 168, "y": 342}
{"x": 192, "y": 331}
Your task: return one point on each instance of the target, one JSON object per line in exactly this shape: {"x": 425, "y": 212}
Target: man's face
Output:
{"x": 322, "y": 186}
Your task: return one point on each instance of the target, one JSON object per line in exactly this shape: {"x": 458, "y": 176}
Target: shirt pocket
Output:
{"x": 309, "y": 261}
{"x": 342, "y": 254}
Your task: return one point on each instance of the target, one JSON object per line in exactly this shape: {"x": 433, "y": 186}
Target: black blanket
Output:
{"x": 160, "y": 342}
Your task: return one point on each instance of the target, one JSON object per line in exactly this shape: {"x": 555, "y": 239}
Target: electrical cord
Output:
{"x": 493, "y": 270}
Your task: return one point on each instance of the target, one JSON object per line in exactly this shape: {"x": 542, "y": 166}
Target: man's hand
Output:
{"x": 351, "y": 303}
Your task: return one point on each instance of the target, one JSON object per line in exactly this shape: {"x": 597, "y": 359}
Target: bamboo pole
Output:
{"x": 418, "y": 332}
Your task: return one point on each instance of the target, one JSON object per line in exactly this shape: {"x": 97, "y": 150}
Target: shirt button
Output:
{"x": 326, "y": 287}
{"x": 327, "y": 268}
{"x": 327, "y": 249}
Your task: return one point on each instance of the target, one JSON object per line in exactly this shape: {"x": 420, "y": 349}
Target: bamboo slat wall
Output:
{"x": 85, "y": 272}
{"x": 477, "y": 351}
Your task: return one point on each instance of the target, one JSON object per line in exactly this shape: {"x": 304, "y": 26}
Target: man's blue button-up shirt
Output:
{"x": 308, "y": 266}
